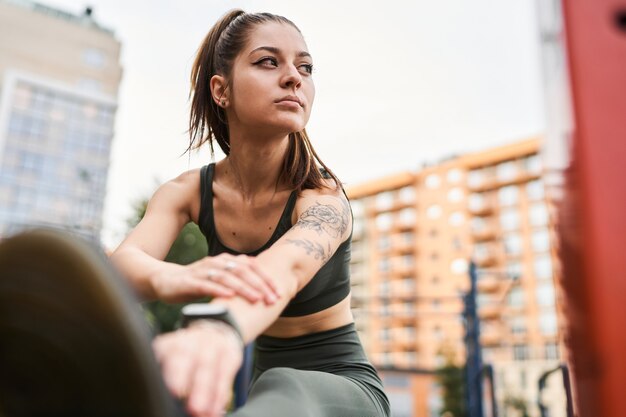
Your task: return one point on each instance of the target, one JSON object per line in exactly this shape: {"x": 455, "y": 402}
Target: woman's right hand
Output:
{"x": 223, "y": 275}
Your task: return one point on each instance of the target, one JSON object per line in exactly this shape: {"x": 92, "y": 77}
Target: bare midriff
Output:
{"x": 330, "y": 318}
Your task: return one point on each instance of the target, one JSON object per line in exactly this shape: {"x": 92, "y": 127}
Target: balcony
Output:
{"x": 485, "y": 209}
{"x": 489, "y": 285}
{"x": 484, "y": 234}
{"x": 490, "y": 312}
{"x": 490, "y": 338}
{"x": 403, "y": 248}
{"x": 486, "y": 260}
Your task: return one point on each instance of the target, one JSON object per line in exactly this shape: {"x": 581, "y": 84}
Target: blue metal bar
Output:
{"x": 244, "y": 377}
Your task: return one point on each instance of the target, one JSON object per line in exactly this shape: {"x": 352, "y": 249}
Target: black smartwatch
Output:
{"x": 207, "y": 311}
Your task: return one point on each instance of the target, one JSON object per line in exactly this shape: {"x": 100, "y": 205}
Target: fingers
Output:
{"x": 267, "y": 279}
{"x": 202, "y": 397}
{"x": 199, "y": 365}
{"x": 242, "y": 275}
{"x": 212, "y": 385}
{"x": 175, "y": 365}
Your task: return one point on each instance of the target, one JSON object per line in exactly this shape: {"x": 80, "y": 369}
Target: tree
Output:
{"x": 189, "y": 246}
{"x": 517, "y": 404}
{"x": 450, "y": 378}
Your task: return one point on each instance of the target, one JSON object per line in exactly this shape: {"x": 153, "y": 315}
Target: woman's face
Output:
{"x": 271, "y": 87}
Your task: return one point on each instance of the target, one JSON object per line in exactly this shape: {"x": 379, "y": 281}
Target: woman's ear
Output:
{"x": 219, "y": 88}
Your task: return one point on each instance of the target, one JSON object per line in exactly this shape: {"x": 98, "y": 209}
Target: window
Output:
{"x": 385, "y": 310}
{"x": 533, "y": 164}
{"x": 509, "y": 219}
{"x": 534, "y": 189}
{"x": 506, "y": 171}
{"x": 383, "y": 221}
{"x": 475, "y": 178}
{"x": 384, "y": 333}
{"x": 547, "y": 323}
{"x": 89, "y": 84}
{"x": 383, "y": 265}
{"x": 407, "y": 194}
{"x": 520, "y": 352}
{"x": 479, "y": 224}
{"x": 481, "y": 251}
{"x": 456, "y": 195}
{"x": 437, "y": 332}
{"x": 517, "y": 325}
{"x": 516, "y": 297}
{"x": 432, "y": 181}
{"x": 551, "y": 351}
{"x": 434, "y": 211}
{"x": 538, "y": 214}
{"x": 357, "y": 208}
{"x": 384, "y": 242}
{"x": 407, "y": 216}
{"x": 512, "y": 244}
{"x": 94, "y": 58}
{"x": 543, "y": 266}
{"x": 459, "y": 266}
{"x": 384, "y": 200}
{"x": 476, "y": 201}
{"x": 541, "y": 240}
{"x": 454, "y": 175}
{"x": 514, "y": 269}
{"x": 483, "y": 300}
{"x": 545, "y": 294}
{"x": 508, "y": 196}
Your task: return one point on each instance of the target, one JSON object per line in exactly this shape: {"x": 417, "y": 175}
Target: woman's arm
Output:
{"x": 140, "y": 256}
{"x": 199, "y": 364}
{"x": 324, "y": 222}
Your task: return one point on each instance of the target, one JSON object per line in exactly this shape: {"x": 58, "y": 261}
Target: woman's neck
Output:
{"x": 254, "y": 165}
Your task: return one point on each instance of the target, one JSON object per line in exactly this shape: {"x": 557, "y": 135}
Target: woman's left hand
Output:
{"x": 199, "y": 365}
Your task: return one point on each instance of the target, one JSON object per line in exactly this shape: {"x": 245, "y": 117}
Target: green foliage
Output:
{"x": 518, "y": 404}
{"x": 189, "y": 246}
{"x": 450, "y": 378}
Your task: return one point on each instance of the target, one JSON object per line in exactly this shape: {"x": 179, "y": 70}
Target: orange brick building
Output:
{"x": 414, "y": 235}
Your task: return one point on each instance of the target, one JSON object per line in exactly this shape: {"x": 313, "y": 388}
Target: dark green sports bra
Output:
{"x": 331, "y": 283}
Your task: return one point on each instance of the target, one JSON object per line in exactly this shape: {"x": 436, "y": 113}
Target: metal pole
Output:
{"x": 473, "y": 368}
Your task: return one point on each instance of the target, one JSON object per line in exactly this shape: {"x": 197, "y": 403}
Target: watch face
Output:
{"x": 200, "y": 309}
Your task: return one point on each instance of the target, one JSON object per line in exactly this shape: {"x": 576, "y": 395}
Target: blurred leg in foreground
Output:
{"x": 73, "y": 341}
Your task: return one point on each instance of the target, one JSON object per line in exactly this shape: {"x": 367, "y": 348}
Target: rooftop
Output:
{"x": 85, "y": 19}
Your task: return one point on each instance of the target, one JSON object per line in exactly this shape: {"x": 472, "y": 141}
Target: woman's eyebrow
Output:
{"x": 277, "y": 51}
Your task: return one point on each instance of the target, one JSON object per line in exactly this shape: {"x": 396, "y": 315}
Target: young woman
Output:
{"x": 278, "y": 228}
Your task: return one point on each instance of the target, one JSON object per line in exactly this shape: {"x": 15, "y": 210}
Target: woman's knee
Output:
{"x": 278, "y": 377}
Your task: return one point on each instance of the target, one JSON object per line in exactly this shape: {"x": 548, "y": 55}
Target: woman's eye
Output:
{"x": 308, "y": 68}
{"x": 268, "y": 62}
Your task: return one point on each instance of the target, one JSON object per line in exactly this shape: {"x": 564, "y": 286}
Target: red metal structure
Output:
{"x": 593, "y": 213}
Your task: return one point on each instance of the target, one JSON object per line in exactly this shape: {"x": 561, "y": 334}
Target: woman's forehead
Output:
{"x": 281, "y": 36}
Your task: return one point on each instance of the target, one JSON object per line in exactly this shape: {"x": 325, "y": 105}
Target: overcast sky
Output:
{"x": 399, "y": 83}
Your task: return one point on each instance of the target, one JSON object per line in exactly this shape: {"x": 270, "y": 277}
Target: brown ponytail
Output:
{"x": 207, "y": 121}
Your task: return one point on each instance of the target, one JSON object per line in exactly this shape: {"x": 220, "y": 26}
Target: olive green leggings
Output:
{"x": 324, "y": 374}
{"x": 287, "y": 392}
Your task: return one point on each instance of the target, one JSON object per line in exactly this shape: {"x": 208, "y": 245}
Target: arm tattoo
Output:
{"x": 312, "y": 248}
{"x": 326, "y": 218}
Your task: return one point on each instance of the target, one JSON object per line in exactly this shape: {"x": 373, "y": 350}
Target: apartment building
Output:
{"x": 59, "y": 80}
{"x": 415, "y": 234}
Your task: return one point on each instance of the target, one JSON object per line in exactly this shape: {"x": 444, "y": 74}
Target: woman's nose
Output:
{"x": 291, "y": 78}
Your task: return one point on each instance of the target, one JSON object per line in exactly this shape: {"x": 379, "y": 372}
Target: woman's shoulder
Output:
{"x": 186, "y": 181}
{"x": 330, "y": 189}
{"x": 180, "y": 189}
